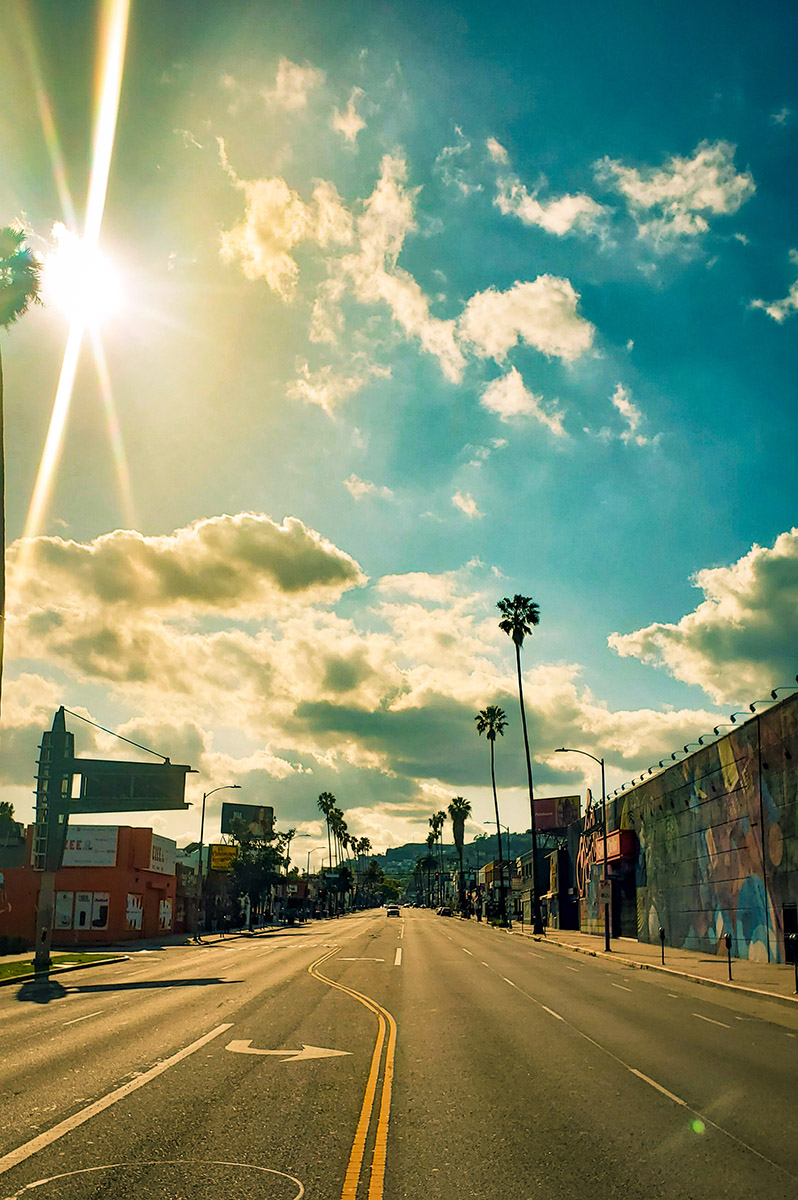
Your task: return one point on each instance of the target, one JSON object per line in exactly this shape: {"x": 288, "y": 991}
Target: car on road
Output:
{"x": 393, "y": 910}
{"x": 444, "y": 911}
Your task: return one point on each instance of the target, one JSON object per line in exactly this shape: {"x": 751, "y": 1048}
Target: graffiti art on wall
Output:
{"x": 718, "y": 838}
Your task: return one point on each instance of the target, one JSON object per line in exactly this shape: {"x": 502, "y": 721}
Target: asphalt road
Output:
{"x": 521, "y": 1070}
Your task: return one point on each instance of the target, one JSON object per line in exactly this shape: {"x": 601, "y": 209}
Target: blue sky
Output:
{"x": 422, "y": 307}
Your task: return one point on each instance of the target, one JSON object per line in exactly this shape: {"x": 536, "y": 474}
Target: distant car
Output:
{"x": 392, "y": 910}
{"x": 444, "y": 911}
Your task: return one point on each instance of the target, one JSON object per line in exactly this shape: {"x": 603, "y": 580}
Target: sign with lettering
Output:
{"x": 163, "y": 855}
{"x": 90, "y": 846}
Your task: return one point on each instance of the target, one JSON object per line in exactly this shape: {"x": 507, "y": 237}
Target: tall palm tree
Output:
{"x": 326, "y": 804}
{"x": 519, "y": 616}
{"x": 459, "y": 811}
{"x": 20, "y": 278}
{"x": 492, "y": 721}
{"x": 430, "y": 861}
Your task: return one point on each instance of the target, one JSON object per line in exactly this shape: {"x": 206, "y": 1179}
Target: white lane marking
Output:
{"x": 14, "y": 1157}
{"x": 468, "y": 952}
{"x": 484, "y": 963}
{"x": 506, "y": 980}
{"x": 552, "y": 1013}
{"x": 622, "y": 987}
{"x": 722, "y": 1024}
{"x": 397, "y": 962}
{"x": 75, "y": 1020}
{"x": 659, "y": 1087}
{"x": 673, "y": 995}
{"x": 402, "y": 930}
{"x": 533, "y": 954}
{"x": 573, "y": 969}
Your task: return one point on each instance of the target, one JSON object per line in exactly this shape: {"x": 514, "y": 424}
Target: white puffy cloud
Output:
{"x": 376, "y": 278}
{"x": 497, "y": 151}
{"x": 559, "y": 216}
{"x": 467, "y": 504}
{"x": 542, "y": 313}
{"x": 292, "y": 86}
{"x": 328, "y": 388}
{"x": 358, "y": 488}
{"x": 675, "y": 201}
{"x": 241, "y": 565}
{"x": 349, "y": 122}
{"x": 779, "y": 310}
{"x": 508, "y": 397}
{"x": 740, "y": 640}
{"x": 276, "y": 219}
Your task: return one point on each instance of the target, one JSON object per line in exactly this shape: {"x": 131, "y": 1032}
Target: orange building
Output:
{"x": 116, "y": 884}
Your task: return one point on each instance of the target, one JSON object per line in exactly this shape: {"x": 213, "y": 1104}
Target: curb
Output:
{"x": 790, "y": 1001}
{"x": 62, "y": 970}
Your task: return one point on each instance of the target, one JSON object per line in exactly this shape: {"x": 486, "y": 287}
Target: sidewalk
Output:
{"x": 774, "y": 980}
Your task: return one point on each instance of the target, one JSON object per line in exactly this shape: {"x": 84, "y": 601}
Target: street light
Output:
{"x": 205, "y": 796}
{"x": 312, "y": 850}
{"x": 600, "y": 761}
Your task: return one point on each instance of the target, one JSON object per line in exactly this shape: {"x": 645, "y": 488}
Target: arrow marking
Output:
{"x": 306, "y": 1052}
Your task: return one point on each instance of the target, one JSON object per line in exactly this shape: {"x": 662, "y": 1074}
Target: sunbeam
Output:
{"x": 113, "y": 38}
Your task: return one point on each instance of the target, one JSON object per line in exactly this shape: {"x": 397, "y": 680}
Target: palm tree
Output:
{"x": 19, "y": 288}
{"x": 326, "y": 804}
{"x": 459, "y": 811}
{"x": 519, "y": 616}
{"x": 430, "y": 862}
{"x": 492, "y": 721}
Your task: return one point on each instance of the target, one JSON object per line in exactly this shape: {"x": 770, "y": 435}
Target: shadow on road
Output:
{"x": 44, "y": 991}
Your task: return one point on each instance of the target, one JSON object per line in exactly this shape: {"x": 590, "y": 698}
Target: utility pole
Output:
{"x": 53, "y": 789}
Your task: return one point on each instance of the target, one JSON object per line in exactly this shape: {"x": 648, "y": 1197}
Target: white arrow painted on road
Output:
{"x": 286, "y": 1055}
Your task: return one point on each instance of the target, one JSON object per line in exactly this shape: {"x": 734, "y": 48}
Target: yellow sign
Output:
{"x": 223, "y": 857}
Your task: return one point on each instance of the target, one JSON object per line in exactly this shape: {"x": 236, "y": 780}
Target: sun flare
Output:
{"x": 79, "y": 280}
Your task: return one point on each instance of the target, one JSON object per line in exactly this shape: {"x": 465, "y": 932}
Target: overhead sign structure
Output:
{"x": 258, "y": 819}
{"x": 107, "y": 785}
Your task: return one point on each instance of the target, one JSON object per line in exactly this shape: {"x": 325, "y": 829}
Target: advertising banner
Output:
{"x": 63, "y": 910}
{"x": 557, "y": 812}
{"x": 163, "y": 855}
{"x": 99, "y": 910}
{"x": 258, "y": 818}
{"x": 133, "y": 911}
{"x": 165, "y": 915}
{"x": 90, "y": 846}
{"x": 82, "y": 917}
{"x": 222, "y": 857}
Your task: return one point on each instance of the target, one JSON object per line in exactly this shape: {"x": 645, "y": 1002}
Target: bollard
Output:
{"x": 662, "y": 944}
{"x": 793, "y": 938}
{"x": 728, "y": 942}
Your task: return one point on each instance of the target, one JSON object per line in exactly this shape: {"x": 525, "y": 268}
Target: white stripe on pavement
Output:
{"x": 552, "y": 1013}
{"x": 14, "y": 1157}
{"x": 75, "y": 1020}
{"x": 659, "y": 1087}
{"x": 722, "y": 1024}
{"x": 468, "y": 952}
{"x": 622, "y": 987}
{"x": 397, "y": 962}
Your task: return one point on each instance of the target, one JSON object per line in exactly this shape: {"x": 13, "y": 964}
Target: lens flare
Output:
{"x": 79, "y": 280}
{"x": 113, "y": 40}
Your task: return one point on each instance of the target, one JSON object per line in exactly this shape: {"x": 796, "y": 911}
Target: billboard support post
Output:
{"x": 198, "y": 919}
{"x": 53, "y": 787}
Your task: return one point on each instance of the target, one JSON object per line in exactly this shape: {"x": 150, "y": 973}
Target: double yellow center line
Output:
{"x": 385, "y": 1022}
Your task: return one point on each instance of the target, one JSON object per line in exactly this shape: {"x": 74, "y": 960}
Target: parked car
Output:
{"x": 444, "y": 911}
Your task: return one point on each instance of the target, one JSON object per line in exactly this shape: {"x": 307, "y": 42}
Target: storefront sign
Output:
{"x": 163, "y": 855}
{"x": 223, "y": 857}
{"x": 90, "y": 846}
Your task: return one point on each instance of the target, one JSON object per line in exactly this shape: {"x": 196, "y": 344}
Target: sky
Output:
{"x": 401, "y": 309}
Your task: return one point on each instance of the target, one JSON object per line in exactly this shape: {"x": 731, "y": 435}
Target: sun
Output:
{"x": 79, "y": 280}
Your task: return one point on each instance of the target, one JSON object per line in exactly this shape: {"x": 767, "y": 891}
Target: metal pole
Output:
{"x": 199, "y": 922}
{"x": 607, "y": 946}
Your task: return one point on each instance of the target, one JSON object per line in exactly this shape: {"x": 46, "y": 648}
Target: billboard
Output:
{"x": 258, "y": 819}
{"x": 90, "y": 846}
{"x": 163, "y": 855}
{"x": 222, "y": 857}
{"x": 557, "y": 812}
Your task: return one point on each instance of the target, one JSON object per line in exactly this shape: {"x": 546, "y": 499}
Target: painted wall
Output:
{"x": 718, "y": 835}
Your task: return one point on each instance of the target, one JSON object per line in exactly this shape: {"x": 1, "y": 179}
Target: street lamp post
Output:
{"x": 205, "y": 796}
{"x": 600, "y": 761}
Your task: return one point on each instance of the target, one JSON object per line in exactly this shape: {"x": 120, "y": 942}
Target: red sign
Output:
{"x": 622, "y": 843}
{"x": 557, "y": 812}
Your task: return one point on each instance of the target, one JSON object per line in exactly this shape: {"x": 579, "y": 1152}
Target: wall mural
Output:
{"x": 718, "y": 840}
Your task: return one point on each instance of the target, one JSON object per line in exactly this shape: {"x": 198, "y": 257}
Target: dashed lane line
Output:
{"x": 506, "y": 980}
{"x": 468, "y": 952}
{"x": 659, "y": 1087}
{"x": 552, "y": 1013}
{"x": 75, "y": 1020}
{"x": 622, "y": 987}
{"x": 397, "y": 962}
{"x": 722, "y": 1024}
